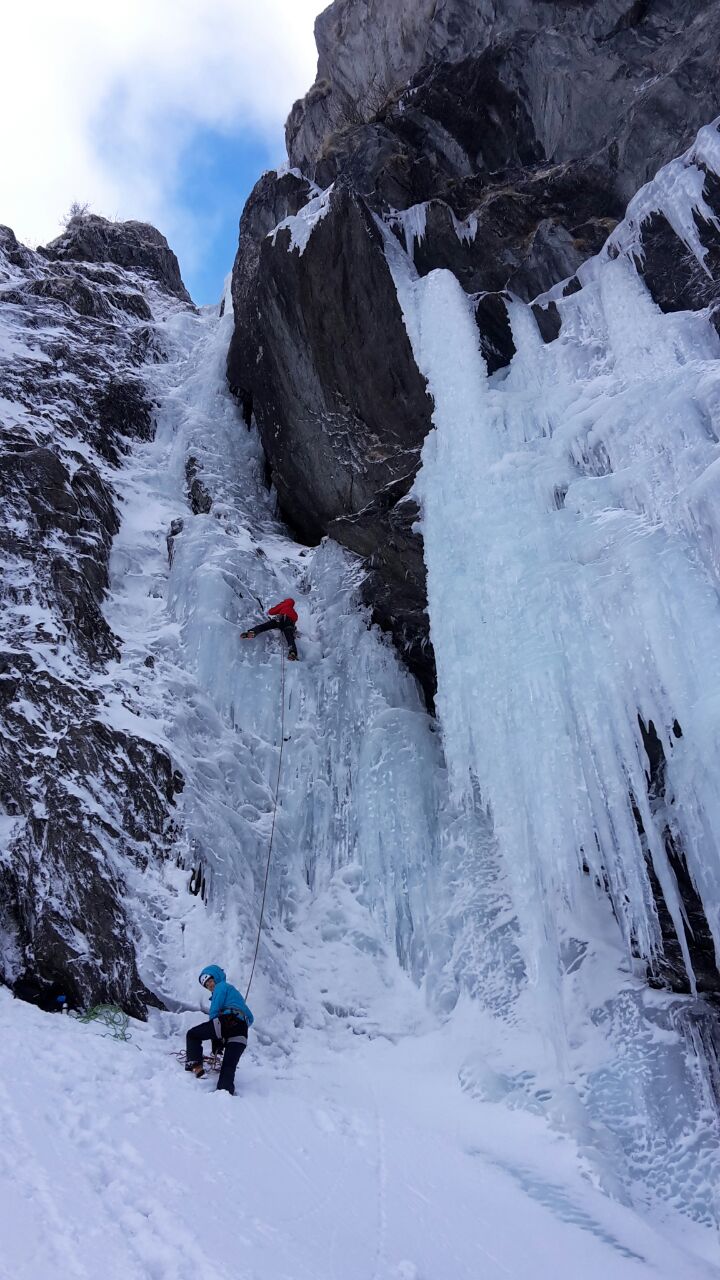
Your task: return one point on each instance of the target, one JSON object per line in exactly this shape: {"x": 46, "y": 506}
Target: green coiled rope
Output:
{"x": 112, "y": 1017}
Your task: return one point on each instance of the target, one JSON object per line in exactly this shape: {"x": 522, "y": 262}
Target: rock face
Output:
{"x": 501, "y": 142}
{"x": 81, "y": 798}
{"x": 132, "y": 245}
{"x": 565, "y": 78}
{"x": 341, "y": 446}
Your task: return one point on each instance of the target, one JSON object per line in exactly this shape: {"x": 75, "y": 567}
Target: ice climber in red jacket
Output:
{"x": 282, "y": 618}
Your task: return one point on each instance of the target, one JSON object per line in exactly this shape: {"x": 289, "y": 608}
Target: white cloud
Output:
{"x": 98, "y": 99}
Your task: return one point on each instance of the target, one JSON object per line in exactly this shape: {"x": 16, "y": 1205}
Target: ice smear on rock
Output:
{"x": 301, "y": 225}
{"x": 677, "y": 192}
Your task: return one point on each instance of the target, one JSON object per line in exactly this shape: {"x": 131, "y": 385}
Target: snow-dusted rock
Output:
{"x": 82, "y": 798}
{"x": 136, "y": 246}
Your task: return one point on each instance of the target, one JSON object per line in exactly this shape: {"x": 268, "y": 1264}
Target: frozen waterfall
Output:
{"x": 499, "y": 878}
{"x": 355, "y": 852}
{"x": 569, "y": 514}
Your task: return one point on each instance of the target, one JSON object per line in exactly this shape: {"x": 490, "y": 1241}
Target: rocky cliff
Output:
{"x": 501, "y": 142}
{"x": 82, "y": 798}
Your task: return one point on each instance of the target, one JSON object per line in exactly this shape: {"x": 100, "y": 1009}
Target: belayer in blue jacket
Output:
{"x": 228, "y": 1027}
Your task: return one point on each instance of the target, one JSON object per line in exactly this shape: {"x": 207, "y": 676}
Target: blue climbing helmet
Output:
{"x": 211, "y": 971}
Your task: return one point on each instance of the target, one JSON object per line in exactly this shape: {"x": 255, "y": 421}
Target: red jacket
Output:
{"x": 285, "y": 609}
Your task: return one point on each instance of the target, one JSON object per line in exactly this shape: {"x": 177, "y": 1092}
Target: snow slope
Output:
{"x": 328, "y": 1167}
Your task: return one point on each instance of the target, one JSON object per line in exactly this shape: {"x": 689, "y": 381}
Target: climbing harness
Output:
{"x": 272, "y": 829}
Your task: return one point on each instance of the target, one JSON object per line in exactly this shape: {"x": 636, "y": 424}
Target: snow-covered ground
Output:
{"x": 355, "y": 1159}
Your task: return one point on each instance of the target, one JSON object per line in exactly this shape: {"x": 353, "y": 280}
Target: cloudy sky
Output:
{"x": 162, "y": 110}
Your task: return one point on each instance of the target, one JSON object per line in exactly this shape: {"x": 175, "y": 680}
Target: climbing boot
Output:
{"x": 247, "y": 635}
{"x": 292, "y": 657}
{"x": 197, "y": 1069}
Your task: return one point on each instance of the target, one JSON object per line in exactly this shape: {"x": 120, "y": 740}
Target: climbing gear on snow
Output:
{"x": 211, "y": 1062}
{"x": 112, "y": 1017}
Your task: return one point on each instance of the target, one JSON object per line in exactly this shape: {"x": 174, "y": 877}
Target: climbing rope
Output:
{"x": 212, "y": 1061}
{"x": 272, "y": 829}
{"x": 110, "y": 1016}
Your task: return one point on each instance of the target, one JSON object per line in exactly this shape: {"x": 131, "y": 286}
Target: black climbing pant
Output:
{"x": 280, "y": 624}
{"x": 226, "y": 1030}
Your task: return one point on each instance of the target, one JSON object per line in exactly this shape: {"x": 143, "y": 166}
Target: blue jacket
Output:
{"x": 225, "y": 997}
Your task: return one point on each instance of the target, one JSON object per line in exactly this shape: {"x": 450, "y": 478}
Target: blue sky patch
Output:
{"x": 218, "y": 172}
